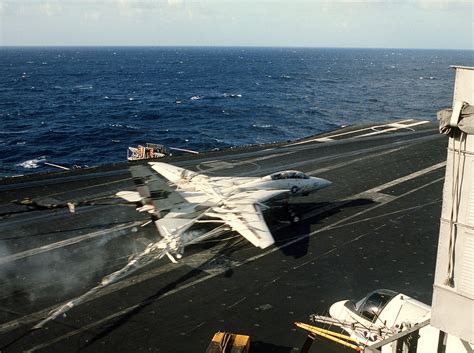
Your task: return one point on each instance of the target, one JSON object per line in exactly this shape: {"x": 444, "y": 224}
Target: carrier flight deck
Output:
{"x": 375, "y": 227}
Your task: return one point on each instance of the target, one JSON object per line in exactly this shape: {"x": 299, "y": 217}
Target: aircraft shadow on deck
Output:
{"x": 285, "y": 237}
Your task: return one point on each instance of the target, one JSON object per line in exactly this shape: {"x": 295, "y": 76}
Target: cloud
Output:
{"x": 92, "y": 15}
{"x": 442, "y": 4}
{"x": 133, "y": 8}
{"x": 50, "y": 8}
{"x": 176, "y": 3}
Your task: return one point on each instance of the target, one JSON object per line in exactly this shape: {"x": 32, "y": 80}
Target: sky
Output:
{"x": 442, "y": 24}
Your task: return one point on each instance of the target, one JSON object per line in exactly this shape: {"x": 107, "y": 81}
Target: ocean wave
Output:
{"x": 232, "y": 95}
{"x": 117, "y": 125}
{"x": 263, "y": 126}
{"x": 32, "y": 163}
{"x": 14, "y": 132}
{"x": 83, "y": 87}
{"x": 217, "y": 96}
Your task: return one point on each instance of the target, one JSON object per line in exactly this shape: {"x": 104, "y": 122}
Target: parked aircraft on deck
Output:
{"x": 379, "y": 318}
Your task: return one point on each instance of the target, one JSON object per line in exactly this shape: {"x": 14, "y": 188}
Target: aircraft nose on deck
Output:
{"x": 323, "y": 183}
{"x": 337, "y": 310}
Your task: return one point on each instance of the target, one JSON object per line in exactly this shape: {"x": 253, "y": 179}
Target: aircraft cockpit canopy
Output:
{"x": 372, "y": 305}
{"x": 290, "y": 174}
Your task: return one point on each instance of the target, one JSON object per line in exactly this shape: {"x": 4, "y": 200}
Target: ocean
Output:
{"x": 83, "y": 106}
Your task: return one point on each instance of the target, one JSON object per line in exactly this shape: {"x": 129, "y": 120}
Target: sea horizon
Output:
{"x": 85, "y": 105}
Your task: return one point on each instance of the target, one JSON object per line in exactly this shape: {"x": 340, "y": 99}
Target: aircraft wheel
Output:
{"x": 294, "y": 217}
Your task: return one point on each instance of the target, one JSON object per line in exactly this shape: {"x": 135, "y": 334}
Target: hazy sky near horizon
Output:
{"x": 444, "y": 24}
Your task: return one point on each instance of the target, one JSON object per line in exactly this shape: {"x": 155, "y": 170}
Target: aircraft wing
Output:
{"x": 151, "y": 186}
{"x": 174, "y": 174}
{"x": 189, "y": 181}
{"x": 243, "y": 213}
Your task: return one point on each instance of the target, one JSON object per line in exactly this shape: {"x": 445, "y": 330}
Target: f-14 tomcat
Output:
{"x": 233, "y": 203}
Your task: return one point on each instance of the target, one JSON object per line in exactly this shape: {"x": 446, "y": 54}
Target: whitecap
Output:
{"x": 233, "y": 95}
{"x": 32, "y": 163}
{"x": 195, "y": 98}
{"x": 264, "y": 126}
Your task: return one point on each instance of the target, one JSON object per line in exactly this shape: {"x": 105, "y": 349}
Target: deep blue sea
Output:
{"x": 84, "y": 106}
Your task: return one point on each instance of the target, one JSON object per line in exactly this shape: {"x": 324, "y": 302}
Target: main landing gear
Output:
{"x": 295, "y": 217}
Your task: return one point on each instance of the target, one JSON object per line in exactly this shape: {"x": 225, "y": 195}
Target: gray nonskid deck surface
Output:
{"x": 375, "y": 227}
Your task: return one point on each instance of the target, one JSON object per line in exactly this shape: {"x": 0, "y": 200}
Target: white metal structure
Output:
{"x": 386, "y": 321}
{"x": 453, "y": 295}
{"x": 234, "y": 202}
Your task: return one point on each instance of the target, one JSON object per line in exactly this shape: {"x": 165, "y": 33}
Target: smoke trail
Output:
{"x": 61, "y": 271}
{"x": 153, "y": 252}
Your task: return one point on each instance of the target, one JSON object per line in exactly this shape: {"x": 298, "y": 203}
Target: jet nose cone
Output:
{"x": 323, "y": 183}
{"x": 336, "y": 310}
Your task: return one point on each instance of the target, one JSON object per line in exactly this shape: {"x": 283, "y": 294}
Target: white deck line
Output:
{"x": 63, "y": 243}
{"x": 393, "y": 127}
{"x": 315, "y": 172}
{"x": 330, "y": 137}
{"x": 137, "y": 279}
{"x": 374, "y": 193}
{"x": 405, "y": 178}
{"x": 228, "y": 165}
